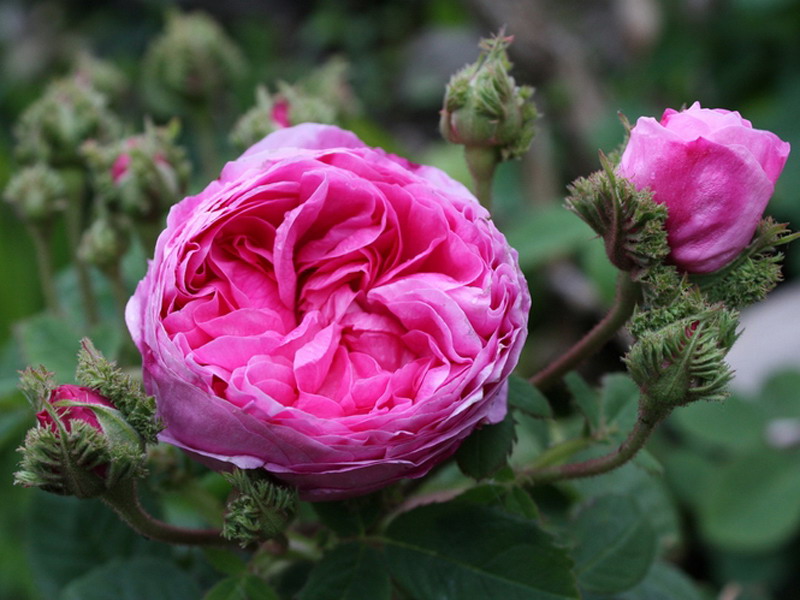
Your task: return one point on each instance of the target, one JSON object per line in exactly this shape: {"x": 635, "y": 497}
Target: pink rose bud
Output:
{"x": 331, "y": 313}
{"x": 715, "y": 174}
{"x": 280, "y": 112}
{"x": 67, "y": 414}
{"x": 120, "y": 167}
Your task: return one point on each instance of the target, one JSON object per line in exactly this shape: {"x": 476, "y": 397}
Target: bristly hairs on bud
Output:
{"x": 98, "y": 373}
{"x": 36, "y": 384}
{"x": 261, "y": 508}
{"x": 630, "y": 222}
{"x": 684, "y": 361}
{"x": 754, "y": 273}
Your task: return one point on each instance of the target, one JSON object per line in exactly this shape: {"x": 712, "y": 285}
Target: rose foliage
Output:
{"x": 331, "y": 313}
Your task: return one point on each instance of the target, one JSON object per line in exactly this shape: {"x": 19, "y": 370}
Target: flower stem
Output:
{"x": 635, "y": 441}
{"x": 45, "y": 267}
{"x": 74, "y": 220}
{"x": 124, "y": 500}
{"x": 482, "y": 163}
{"x": 625, "y": 301}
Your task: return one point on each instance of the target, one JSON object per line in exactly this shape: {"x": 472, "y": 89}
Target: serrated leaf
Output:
{"x": 614, "y": 545}
{"x": 738, "y": 425}
{"x": 464, "y": 552}
{"x": 619, "y": 401}
{"x": 350, "y": 571}
{"x": 225, "y": 561}
{"x": 512, "y": 499}
{"x": 134, "y": 579}
{"x": 350, "y": 517}
{"x": 527, "y": 398}
{"x": 487, "y": 449}
{"x": 241, "y": 587}
{"x": 586, "y": 399}
{"x": 751, "y": 503}
{"x": 663, "y": 582}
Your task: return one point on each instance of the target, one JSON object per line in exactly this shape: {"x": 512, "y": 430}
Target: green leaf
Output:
{"x": 615, "y": 545}
{"x": 619, "y": 402}
{"x": 225, "y": 561}
{"x": 134, "y": 579}
{"x": 69, "y": 537}
{"x": 738, "y": 425}
{"x": 241, "y": 587}
{"x": 10, "y": 365}
{"x": 663, "y": 582}
{"x": 487, "y": 449}
{"x": 751, "y": 503}
{"x": 463, "y": 552}
{"x": 586, "y": 399}
{"x": 351, "y": 571}
{"x": 514, "y": 500}
{"x": 545, "y": 234}
{"x": 527, "y": 398}
{"x": 49, "y": 341}
{"x": 350, "y": 517}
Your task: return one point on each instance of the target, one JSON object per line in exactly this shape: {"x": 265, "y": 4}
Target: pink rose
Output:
{"x": 714, "y": 172}
{"x": 64, "y": 394}
{"x": 331, "y": 313}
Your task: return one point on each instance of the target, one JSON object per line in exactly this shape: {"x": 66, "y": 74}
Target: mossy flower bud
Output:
{"x": 37, "y": 193}
{"x": 484, "y": 107}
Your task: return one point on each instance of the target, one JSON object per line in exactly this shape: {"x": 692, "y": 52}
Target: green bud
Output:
{"x": 261, "y": 120}
{"x": 684, "y": 361}
{"x": 260, "y": 510}
{"x": 105, "y": 242}
{"x": 54, "y": 127}
{"x": 37, "y": 193}
{"x": 483, "y": 106}
{"x": 143, "y": 175}
{"x": 192, "y": 61}
{"x": 630, "y": 222}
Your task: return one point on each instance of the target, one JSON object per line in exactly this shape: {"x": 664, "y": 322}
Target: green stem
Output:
{"x": 635, "y": 441}
{"x": 203, "y": 124}
{"x": 44, "y": 263}
{"x": 124, "y": 500}
{"x": 627, "y": 296}
{"x": 74, "y": 219}
{"x": 482, "y": 163}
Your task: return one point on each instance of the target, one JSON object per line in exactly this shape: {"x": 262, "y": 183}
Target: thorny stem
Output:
{"x": 625, "y": 301}
{"x": 124, "y": 500}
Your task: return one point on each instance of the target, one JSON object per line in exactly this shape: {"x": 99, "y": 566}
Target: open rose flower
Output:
{"x": 714, "y": 172}
{"x": 328, "y": 312}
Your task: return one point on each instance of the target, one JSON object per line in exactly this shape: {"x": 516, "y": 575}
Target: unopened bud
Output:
{"x": 99, "y": 74}
{"x": 82, "y": 445}
{"x": 260, "y": 508}
{"x": 483, "y": 106}
{"x": 37, "y": 193}
{"x": 193, "y": 60}
{"x": 141, "y": 176}
{"x": 54, "y": 127}
{"x": 104, "y": 243}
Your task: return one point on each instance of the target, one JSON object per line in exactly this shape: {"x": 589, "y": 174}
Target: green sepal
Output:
{"x": 261, "y": 508}
{"x": 139, "y": 409}
{"x": 630, "y": 222}
{"x": 754, "y": 273}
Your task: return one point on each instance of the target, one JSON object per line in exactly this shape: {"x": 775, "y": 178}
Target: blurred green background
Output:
{"x": 588, "y": 59}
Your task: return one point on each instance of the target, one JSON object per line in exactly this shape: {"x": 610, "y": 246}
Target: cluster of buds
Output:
{"x": 324, "y": 96}
{"x": 88, "y": 437}
{"x": 192, "y": 62}
{"x": 99, "y": 75}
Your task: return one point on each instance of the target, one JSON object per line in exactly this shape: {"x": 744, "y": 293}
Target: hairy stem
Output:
{"x": 627, "y": 296}
{"x": 482, "y": 163}
{"x": 635, "y": 441}
{"x": 124, "y": 499}
{"x": 74, "y": 220}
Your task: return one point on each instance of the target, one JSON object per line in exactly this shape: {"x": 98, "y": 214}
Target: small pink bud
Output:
{"x": 120, "y": 167}
{"x": 280, "y": 112}
{"x": 68, "y": 414}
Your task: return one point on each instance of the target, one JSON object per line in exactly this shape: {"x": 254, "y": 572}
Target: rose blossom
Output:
{"x": 714, "y": 172}
{"x": 69, "y": 414}
{"x": 328, "y": 312}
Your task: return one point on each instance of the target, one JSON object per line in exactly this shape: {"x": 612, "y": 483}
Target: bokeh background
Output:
{"x": 732, "y": 479}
